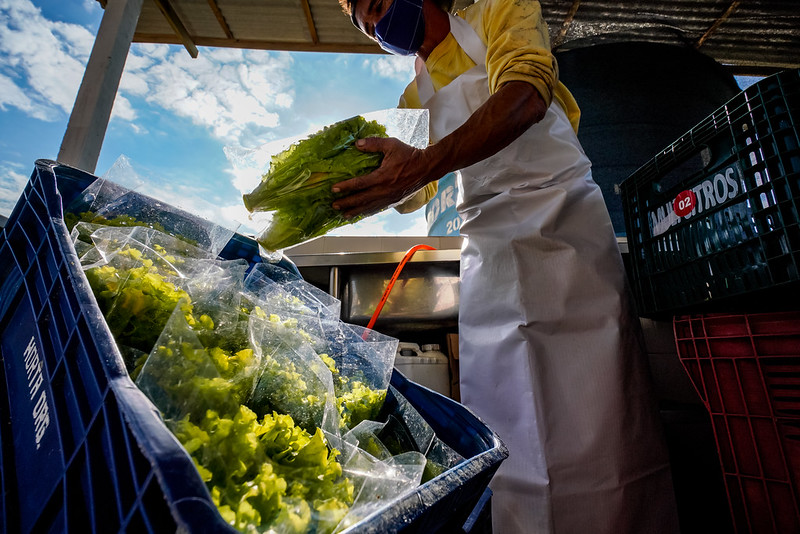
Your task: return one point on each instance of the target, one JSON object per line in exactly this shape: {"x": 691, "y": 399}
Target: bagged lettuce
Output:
{"x": 297, "y": 187}
{"x": 276, "y": 400}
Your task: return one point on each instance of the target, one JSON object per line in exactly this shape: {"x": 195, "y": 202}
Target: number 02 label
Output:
{"x": 684, "y": 203}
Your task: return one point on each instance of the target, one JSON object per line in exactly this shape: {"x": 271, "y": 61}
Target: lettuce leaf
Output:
{"x": 297, "y": 187}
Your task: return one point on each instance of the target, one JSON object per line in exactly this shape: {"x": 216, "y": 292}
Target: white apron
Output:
{"x": 551, "y": 356}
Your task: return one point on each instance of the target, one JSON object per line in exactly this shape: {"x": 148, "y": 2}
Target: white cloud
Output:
{"x": 152, "y": 51}
{"x": 138, "y": 129}
{"x": 419, "y": 226}
{"x": 233, "y": 93}
{"x": 223, "y": 55}
{"x": 123, "y": 109}
{"x": 12, "y": 95}
{"x": 47, "y": 57}
{"x": 12, "y": 182}
{"x": 133, "y": 83}
{"x": 147, "y": 56}
{"x": 228, "y": 91}
{"x": 387, "y": 223}
{"x": 284, "y": 100}
{"x": 76, "y": 40}
{"x": 394, "y": 67}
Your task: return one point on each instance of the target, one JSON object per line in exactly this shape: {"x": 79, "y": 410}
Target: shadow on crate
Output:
{"x": 696, "y": 473}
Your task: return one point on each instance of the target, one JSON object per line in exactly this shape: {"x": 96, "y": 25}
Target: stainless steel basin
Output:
{"x": 424, "y": 297}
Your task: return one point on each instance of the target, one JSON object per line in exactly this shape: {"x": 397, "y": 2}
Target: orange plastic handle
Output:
{"x": 388, "y": 289}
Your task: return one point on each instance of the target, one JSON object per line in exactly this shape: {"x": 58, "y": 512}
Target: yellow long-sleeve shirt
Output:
{"x": 517, "y": 49}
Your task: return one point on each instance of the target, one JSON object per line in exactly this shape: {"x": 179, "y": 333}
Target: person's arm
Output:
{"x": 500, "y": 120}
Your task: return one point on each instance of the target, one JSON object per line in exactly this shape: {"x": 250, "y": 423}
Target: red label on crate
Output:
{"x": 684, "y": 203}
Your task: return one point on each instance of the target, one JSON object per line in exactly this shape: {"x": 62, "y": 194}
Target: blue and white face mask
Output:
{"x": 401, "y": 30}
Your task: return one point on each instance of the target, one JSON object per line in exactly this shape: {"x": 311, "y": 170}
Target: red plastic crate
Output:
{"x": 746, "y": 369}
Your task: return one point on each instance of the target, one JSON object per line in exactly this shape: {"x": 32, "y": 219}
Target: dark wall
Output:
{"x": 635, "y": 99}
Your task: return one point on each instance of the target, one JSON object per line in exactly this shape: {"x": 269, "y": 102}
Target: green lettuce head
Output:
{"x": 297, "y": 187}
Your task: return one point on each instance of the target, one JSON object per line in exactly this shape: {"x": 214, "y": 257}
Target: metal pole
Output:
{"x": 90, "y": 115}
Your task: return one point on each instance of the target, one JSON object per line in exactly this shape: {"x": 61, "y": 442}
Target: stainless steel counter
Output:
{"x": 425, "y": 296}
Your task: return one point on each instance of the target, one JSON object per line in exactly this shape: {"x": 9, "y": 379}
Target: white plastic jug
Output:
{"x": 427, "y": 366}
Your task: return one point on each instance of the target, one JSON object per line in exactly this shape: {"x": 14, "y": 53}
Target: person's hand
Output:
{"x": 404, "y": 169}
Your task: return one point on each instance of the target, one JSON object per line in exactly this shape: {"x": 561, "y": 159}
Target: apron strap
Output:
{"x": 467, "y": 39}
{"x": 424, "y": 84}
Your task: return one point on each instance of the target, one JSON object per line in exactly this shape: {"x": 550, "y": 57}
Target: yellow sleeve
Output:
{"x": 518, "y": 49}
{"x": 518, "y": 45}
{"x": 418, "y": 199}
{"x": 569, "y": 105}
{"x": 410, "y": 97}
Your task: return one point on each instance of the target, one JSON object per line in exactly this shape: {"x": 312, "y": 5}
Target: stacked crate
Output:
{"x": 714, "y": 240}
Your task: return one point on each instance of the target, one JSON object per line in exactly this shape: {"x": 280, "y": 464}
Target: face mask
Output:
{"x": 401, "y": 30}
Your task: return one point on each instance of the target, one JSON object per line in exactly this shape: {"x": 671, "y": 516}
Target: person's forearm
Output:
{"x": 405, "y": 169}
{"x": 499, "y": 121}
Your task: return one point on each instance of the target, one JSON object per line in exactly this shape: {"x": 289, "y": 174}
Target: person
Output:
{"x": 551, "y": 353}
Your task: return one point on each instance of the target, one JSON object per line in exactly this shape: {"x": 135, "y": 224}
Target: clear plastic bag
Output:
{"x": 363, "y": 360}
{"x": 297, "y": 296}
{"x": 140, "y": 275}
{"x": 406, "y": 430}
{"x": 377, "y": 481}
{"x": 292, "y": 378}
{"x": 182, "y": 374}
{"x": 137, "y": 285}
{"x": 106, "y": 202}
{"x": 280, "y": 403}
{"x": 296, "y": 188}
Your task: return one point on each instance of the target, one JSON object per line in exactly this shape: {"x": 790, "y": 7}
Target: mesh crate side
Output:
{"x": 713, "y": 218}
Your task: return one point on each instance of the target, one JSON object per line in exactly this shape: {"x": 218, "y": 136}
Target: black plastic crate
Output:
{"x": 712, "y": 220}
{"x": 81, "y": 447}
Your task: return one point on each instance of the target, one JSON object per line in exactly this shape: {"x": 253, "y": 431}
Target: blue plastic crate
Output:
{"x": 81, "y": 447}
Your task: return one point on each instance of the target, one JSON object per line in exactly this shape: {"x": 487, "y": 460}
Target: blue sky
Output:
{"x": 174, "y": 116}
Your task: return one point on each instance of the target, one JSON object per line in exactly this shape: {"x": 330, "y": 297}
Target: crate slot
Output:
{"x": 48, "y": 263}
{"x": 78, "y": 492}
{"x": 770, "y": 451}
{"x": 70, "y": 428}
{"x": 53, "y": 516}
{"x": 118, "y": 456}
{"x": 136, "y": 523}
{"x": 155, "y": 509}
{"x": 106, "y": 518}
{"x": 60, "y": 320}
{"x": 91, "y": 364}
{"x": 84, "y": 389}
{"x": 783, "y": 512}
{"x": 51, "y": 344}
